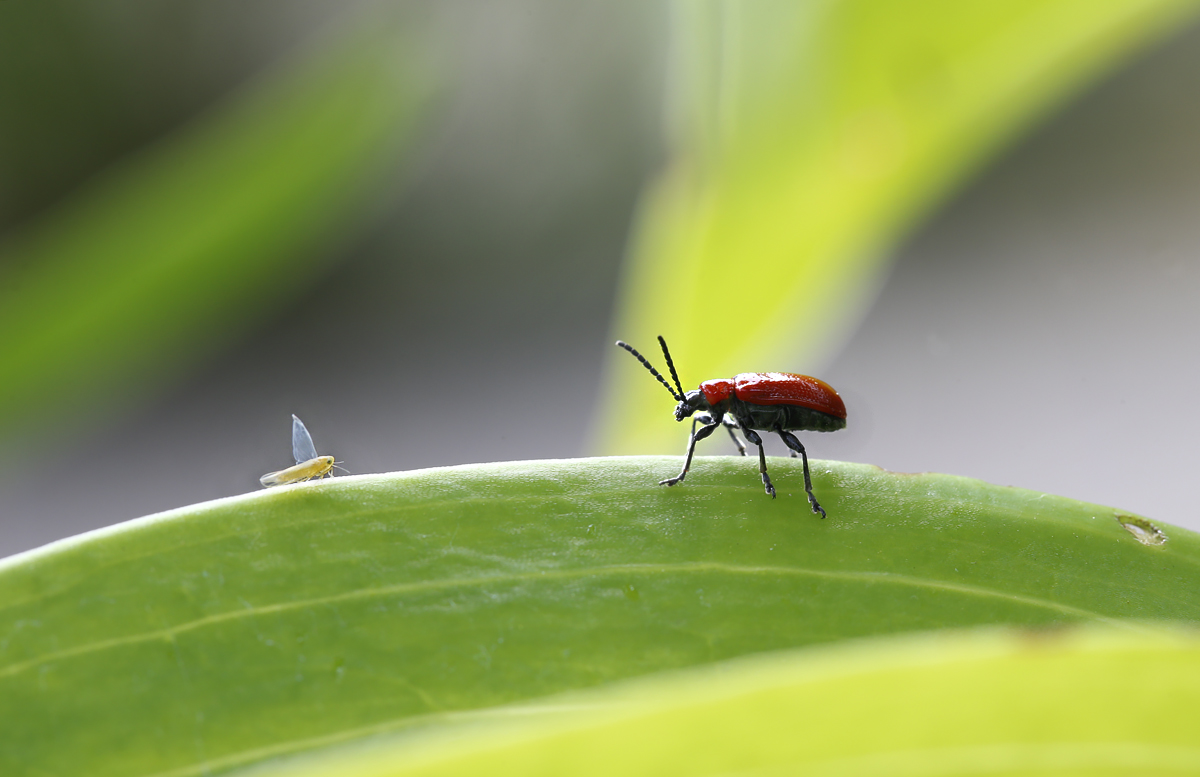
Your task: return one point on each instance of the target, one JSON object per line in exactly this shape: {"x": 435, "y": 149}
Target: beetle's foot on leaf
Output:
{"x": 770, "y": 489}
{"x": 816, "y": 506}
{"x": 670, "y": 481}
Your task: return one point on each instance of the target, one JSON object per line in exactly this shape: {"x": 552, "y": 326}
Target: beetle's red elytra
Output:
{"x": 779, "y": 402}
{"x": 777, "y": 388}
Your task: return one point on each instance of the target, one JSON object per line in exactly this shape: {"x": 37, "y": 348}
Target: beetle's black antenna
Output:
{"x": 671, "y": 364}
{"x": 677, "y": 397}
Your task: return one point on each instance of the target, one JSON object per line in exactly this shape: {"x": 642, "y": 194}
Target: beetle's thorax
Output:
{"x": 718, "y": 392}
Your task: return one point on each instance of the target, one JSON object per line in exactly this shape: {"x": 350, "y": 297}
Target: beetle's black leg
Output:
{"x": 730, "y": 425}
{"x": 790, "y": 440}
{"x": 753, "y": 437}
{"x": 694, "y": 438}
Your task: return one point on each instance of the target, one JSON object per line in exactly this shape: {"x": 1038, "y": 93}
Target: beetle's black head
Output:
{"x": 692, "y": 402}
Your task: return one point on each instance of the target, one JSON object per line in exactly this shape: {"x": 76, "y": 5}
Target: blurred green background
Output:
{"x": 409, "y": 225}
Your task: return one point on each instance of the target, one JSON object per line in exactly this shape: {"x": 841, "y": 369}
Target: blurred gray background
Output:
{"x": 1037, "y": 331}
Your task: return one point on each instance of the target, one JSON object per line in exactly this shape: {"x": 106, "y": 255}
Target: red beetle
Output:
{"x": 779, "y": 402}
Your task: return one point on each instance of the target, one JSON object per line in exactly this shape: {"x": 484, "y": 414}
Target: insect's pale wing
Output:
{"x": 302, "y": 444}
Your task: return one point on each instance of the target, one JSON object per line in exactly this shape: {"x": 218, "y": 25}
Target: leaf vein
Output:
{"x": 169, "y": 633}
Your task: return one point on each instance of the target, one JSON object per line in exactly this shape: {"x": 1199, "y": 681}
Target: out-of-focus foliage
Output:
{"x": 230, "y": 632}
{"x": 806, "y": 138}
{"x": 154, "y": 263}
{"x": 1090, "y": 702}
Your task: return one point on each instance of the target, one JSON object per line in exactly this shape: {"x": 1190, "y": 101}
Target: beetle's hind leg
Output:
{"x": 790, "y": 440}
{"x": 753, "y": 437}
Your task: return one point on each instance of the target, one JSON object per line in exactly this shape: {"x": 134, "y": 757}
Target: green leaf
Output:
{"x": 807, "y": 138}
{"x": 225, "y": 633}
{"x": 1084, "y": 703}
{"x": 157, "y": 262}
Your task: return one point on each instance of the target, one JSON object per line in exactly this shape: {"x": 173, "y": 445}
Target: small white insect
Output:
{"x": 308, "y": 464}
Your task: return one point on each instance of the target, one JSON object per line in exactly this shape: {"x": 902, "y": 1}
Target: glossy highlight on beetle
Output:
{"x": 778, "y": 402}
{"x": 308, "y": 464}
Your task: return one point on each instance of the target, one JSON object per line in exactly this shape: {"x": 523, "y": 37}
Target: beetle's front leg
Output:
{"x": 694, "y": 438}
{"x": 753, "y": 437}
{"x": 730, "y": 425}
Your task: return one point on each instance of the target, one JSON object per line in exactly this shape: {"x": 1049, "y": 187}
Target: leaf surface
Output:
{"x": 1086, "y": 703}
{"x": 221, "y": 634}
